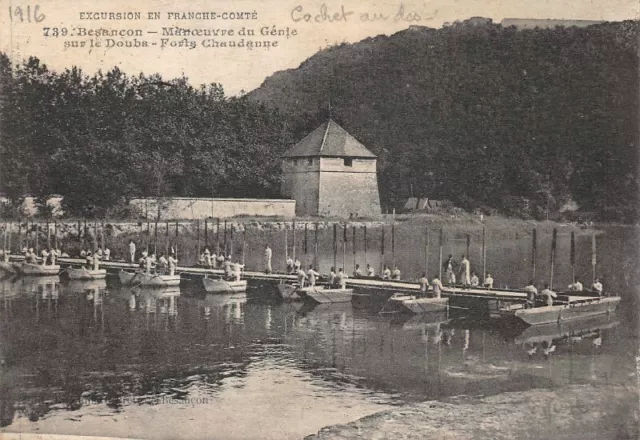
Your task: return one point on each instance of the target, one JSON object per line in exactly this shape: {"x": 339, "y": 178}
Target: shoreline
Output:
{"x": 581, "y": 412}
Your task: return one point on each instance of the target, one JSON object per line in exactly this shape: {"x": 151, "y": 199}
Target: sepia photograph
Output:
{"x": 318, "y": 220}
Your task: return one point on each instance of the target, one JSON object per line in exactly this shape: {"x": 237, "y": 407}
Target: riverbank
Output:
{"x": 584, "y": 412}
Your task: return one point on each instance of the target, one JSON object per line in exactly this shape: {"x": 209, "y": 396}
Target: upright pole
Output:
{"x": 19, "y": 236}
{"x": 393, "y": 244}
{"x": 534, "y": 253}
{"x": 553, "y": 256}
{"x": 198, "y": 240}
{"x": 231, "y": 240}
{"x": 305, "y": 243}
{"x": 166, "y": 240}
{"x": 335, "y": 245}
{"x": 27, "y": 233}
{"x": 440, "y": 265}
{"x": 382, "y": 250}
{"x": 315, "y": 248}
{"x": 366, "y": 261}
{"x": 48, "y": 235}
{"x": 95, "y": 236}
{"x": 344, "y": 247}
{"x": 573, "y": 257}
{"x": 426, "y": 252}
{"x": 244, "y": 242}
{"x": 176, "y": 249}
{"x": 353, "y": 245}
{"x": 102, "y": 235}
{"x": 225, "y": 237}
{"x": 286, "y": 245}
{"x": 218, "y": 235}
{"x": 155, "y": 237}
{"x": 468, "y": 244}
{"x": 55, "y": 234}
{"x": 206, "y": 233}
{"x": 148, "y": 233}
{"x": 37, "y": 237}
{"x": 84, "y": 235}
{"x": 593, "y": 258}
{"x": 484, "y": 253}
{"x": 10, "y": 233}
{"x": 293, "y": 239}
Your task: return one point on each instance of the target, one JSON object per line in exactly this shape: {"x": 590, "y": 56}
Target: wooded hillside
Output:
{"x": 520, "y": 122}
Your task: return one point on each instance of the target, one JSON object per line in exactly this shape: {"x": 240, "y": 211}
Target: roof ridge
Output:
{"x": 324, "y": 138}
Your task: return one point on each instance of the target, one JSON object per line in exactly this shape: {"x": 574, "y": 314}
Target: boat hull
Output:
{"x": 320, "y": 295}
{"x": 566, "y": 312}
{"x": 289, "y": 292}
{"x": 5, "y": 266}
{"x": 148, "y": 280}
{"x": 39, "y": 270}
{"x": 418, "y": 306}
{"x": 86, "y": 274}
{"x": 223, "y": 286}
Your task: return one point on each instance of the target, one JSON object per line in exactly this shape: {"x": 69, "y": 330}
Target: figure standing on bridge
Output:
{"x": 267, "y": 259}
{"x": 132, "y": 251}
{"x": 465, "y": 271}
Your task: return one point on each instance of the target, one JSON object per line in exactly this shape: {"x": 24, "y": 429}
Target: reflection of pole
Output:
{"x": 344, "y": 247}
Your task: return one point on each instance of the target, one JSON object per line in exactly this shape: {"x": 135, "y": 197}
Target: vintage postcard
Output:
{"x": 318, "y": 219}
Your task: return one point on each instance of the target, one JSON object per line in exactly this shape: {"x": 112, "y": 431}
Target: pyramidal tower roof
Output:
{"x": 329, "y": 140}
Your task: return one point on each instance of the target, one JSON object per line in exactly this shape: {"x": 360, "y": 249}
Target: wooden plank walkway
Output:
{"x": 382, "y": 286}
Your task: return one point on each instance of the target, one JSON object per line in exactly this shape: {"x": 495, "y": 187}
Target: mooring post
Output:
{"x": 286, "y": 244}
{"x": 426, "y": 251}
{"x": 305, "y": 244}
{"x": 198, "y": 240}
{"x": 382, "y": 250}
{"x": 37, "y": 238}
{"x": 19, "y": 236}
{"x": 468, "y": 244}
{"x": 225, "y": 238}
{"x": 148, "y": 233}
{"x": 335, "y": 245}
{"x": 366, "y": 261}
{"x": 534, "y": 253}
{"x": 244, "y": 241}
{"x": 344, "y": 247}
{"x": 440, "y": 262}
{"x": 218, "y": 235}
{"x": 206, "y": 233}
{"x": 166, "y": 240}
{"x": 293, "y": 250}
{"x": 553, "y": 256}
{"x": 102, "y": 235}
{"x": 48, "y": 235}
{"x": 484, "y": 253}
{"x": 593, "y": 258}
{"x": 353, "y": 245}
{"x": 573, "y": 257}
{"x": 95, "y": 235}
{"x": 393, "y": 241}
{"x": 231, "y": 240}
{"x": 315, "y": 250}
{"x": 155, "y": 237}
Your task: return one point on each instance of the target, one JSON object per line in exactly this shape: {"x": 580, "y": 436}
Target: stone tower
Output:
{"x": 330, "y": 173}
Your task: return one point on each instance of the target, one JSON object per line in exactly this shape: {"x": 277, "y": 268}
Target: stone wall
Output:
{"x": 199, "y": 208}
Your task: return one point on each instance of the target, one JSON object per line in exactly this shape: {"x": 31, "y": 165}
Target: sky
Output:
{"x": 36, "y": 29}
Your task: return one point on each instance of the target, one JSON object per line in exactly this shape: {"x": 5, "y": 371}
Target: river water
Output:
{"x": 99, "y": 359}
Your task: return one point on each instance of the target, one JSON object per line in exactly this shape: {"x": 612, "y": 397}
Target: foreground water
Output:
{"x": 98, "y": 359}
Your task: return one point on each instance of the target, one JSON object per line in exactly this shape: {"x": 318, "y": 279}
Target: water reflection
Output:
{"x": 122, "y": 348}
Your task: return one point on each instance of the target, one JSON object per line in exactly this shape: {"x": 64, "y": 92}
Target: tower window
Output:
{"x": 295, "y": 161}
{"x": 310, "y": 161}
{"x": 348, "y": 162}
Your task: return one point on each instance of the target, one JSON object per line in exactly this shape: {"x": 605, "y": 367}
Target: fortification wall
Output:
{"x": 198, "y": 208}
{"x": 349, "y": 191}
{"x": 301, "y": 182}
